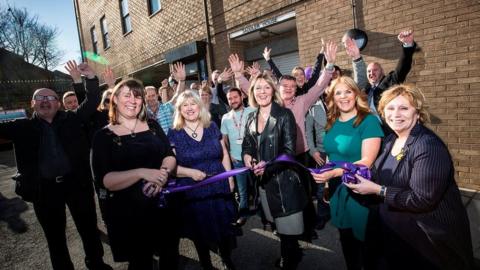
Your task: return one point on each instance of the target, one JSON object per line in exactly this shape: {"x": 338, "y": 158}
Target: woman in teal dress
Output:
{"x": 353, "y": 135}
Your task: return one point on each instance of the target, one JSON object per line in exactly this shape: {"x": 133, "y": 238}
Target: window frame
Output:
{"x": 104, "y": 30}
{"x": 93, "y": 36}
{"x": 150, "y": 9}
{"x": 124, "y": 17}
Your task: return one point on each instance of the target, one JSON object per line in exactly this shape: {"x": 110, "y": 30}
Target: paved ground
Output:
{"x": 257, "y": 249}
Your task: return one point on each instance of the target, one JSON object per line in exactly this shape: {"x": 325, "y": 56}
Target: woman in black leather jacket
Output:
{"x": 270, "y": 132}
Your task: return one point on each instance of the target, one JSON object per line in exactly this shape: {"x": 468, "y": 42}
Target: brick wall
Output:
{"x": 447, "y": 67}
{"x": 177, "y": 23}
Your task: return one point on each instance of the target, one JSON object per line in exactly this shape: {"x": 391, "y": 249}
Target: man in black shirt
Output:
{"x": 52, "y": 155}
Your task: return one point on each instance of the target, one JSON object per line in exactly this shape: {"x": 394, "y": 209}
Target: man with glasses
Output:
{"x": 52, "y": 155}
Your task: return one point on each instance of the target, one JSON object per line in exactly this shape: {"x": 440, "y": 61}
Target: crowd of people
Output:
{"x": 129, "y": 143}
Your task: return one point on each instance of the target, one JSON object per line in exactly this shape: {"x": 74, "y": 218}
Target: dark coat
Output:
{"x": 284, "y": 185}
{"x": 26, "y": 135}
{"x": 396, "y": 76}
{"x": 423, "y": 192}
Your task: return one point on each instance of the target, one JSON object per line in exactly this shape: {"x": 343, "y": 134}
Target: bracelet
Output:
{"x": 383, "y": 191}
{"x": 329, "y": 67}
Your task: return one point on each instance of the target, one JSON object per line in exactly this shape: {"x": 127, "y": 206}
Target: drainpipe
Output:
{"x": 209, "y": 39}
{"x": 79, "y": 28}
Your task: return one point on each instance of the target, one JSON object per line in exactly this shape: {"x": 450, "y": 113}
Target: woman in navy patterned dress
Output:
{"x": 208, "y": 212}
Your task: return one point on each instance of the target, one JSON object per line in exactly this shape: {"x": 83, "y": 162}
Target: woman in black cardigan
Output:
{"x": 423, "y": 222}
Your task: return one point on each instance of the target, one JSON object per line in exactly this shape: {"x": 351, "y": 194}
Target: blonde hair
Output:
{"x": 414, "y": 95}
{"x": 136, "y": 87}
{"x": 106, "y": 94}
{"x": 361, "y": 103}
{"x": 204, "y": 115}
{"x": 275, "y": 95}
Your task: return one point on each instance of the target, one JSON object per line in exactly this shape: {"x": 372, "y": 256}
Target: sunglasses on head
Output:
{"x": 41, "y": 98}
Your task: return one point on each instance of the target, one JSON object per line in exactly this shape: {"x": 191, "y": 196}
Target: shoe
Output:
{"x": 241, "y": 221}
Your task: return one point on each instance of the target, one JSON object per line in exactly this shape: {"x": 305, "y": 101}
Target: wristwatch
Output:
{"x": 383, "y": 191}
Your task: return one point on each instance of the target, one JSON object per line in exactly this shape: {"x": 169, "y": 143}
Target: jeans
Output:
{"x": 242, "y": 186}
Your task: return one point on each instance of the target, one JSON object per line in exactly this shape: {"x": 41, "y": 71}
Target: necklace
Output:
{"x": 132, "y": 131}
{"x": 194, "y": 131}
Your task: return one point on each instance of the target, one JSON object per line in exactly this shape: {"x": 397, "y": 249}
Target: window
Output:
{"x": 153, "y": 6}
{"x": 105, "y": 37}
{"x": 94, "y": 39}
{"x": 126, "y": 23}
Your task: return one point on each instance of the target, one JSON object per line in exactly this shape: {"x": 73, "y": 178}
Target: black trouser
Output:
{"x": 290, "y": 251}
{"x": 50, "y": 212}
{"x": 203, "y": 251}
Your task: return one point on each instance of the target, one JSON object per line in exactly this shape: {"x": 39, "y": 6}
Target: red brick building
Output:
{"x": 140, "y": 37}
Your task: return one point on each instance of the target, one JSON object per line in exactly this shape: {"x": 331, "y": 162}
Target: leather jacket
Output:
{"x": 284, "y": 185}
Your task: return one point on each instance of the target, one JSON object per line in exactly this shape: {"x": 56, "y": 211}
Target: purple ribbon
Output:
{"x": 348, "y": 176}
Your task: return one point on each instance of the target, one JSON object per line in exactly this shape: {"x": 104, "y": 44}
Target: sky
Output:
{"x": 59, "y": 13}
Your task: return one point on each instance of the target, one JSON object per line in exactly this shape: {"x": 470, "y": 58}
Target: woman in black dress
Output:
{"x": 129, "y": 156}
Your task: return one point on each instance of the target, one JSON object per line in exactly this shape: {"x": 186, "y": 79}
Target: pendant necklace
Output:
{"x": 194, "y": 131}
{"x": 132, "y": 131}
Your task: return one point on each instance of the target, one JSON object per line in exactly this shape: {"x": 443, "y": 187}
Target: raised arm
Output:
{"x": 404, "y": 64}
{"x": 109, "y": 78}
{"x": 317, "y": 90}
{"x": 78, "y": 86}
{"x": 177, "y": 70}
{"x": 316, "y": 68}
{"x": 237, "y": 68}
{"x": 226, "y": 75}
{"x": 93, "y": 97}
{"x": 273, "y": 67}
{"x": 358, "y": 64}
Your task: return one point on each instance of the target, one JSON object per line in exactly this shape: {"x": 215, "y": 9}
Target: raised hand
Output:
{"x": 109, "y": 77}
{"x": 72, "y": 68}
{"x": 406, "y": 37}
{"x": 86, "y": 70}
{"x": 351, "y": 48}
{"x": 178, "y": 71}
{"x": 322, "y": 49}
{"x": 225, "y": 75}
{"x": 330, "y": 52}
{"x": 236, "y": 64}
{"x": 266, "y": 53}
{"x": 254, "y": 69}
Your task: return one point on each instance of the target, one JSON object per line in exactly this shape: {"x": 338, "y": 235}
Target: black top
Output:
{"x": 132, "y": 219}
{"x": 111, "y": 152}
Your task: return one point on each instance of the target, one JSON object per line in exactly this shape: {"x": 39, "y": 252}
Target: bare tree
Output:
{"x": 48, "y": 53}
{"x": 21, "y": 33}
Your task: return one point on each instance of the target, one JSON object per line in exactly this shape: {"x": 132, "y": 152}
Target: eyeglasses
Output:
{"x": 41, "y": 98}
